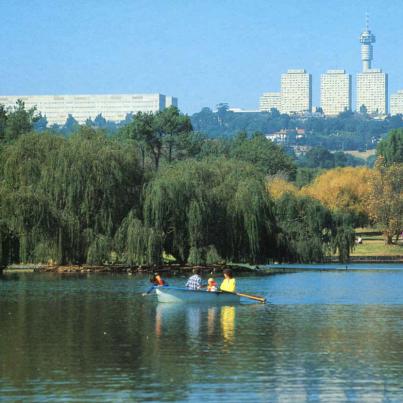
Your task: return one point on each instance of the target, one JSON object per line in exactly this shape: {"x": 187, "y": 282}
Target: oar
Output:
{"x": 148, "y": 292}
{"x": 254, "y": 297}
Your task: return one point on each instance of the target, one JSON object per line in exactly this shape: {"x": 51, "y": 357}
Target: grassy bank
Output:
{"x": 374, "y": 245}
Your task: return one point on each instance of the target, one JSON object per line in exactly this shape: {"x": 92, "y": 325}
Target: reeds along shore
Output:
{"x": 170, "y": 270}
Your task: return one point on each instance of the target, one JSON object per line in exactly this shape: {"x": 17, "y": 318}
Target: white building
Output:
{"x": 296, "y": 92}
{"x": 335, "y": 92}
{"x": 242, "y": 110}
{"x": 372, "y": 91}
{"x": 372, "y": 84}
{"x": 171, "y": 101}
{"x": 113, "y": 107}
{"x": 396, "y": 103}
{"x": 270, "y": 100}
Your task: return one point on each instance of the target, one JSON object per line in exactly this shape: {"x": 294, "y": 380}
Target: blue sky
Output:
{"x": 202, "y": 51}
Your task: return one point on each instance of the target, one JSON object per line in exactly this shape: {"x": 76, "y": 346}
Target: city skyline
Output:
{"x": 203, "y": 53}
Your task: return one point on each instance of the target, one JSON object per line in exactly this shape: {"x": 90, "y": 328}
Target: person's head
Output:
{"x": 197, "y": 271}
{"x": 211, "y": 281}
{"x": 228, "y": 273}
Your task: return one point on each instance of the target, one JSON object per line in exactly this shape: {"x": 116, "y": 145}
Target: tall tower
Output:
{"x": 366, "y": 40}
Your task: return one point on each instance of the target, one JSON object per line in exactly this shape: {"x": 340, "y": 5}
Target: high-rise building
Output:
{"x": 171, "y": 101}
{"x": 270, "y": 100}
{"x": 372, "y": 91}
{"x": 114, "y": 107}
{"x": 372, "y": 84}
{"x": 335, "y": 92}
{"x": 396, "y": 103}
{"x": 296, "y": 91}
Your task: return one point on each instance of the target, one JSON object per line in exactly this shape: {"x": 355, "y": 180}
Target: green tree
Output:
{"x": 18, "y": 121}
{"x": 196, "y": 205}
{"x": 318, "y": 157}
{"x": 309, "y": 232}
{"x": 391, "y": 148}
{"x": 3, "y": 122}
{"x": 65, "y": 199}
{"x": 162, "y": 134}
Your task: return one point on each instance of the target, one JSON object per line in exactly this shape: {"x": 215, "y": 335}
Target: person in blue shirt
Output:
{"x": 195, "y": 282}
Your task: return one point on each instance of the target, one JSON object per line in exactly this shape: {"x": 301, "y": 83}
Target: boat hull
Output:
{"x": 184, "y": 295}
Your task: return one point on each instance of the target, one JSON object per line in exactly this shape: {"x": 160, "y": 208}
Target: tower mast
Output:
{"x": 366, "y": 40}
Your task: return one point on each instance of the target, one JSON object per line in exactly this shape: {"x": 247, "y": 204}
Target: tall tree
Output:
{"x": 343, "y": 190}
{"x": 65, "y": 199}
{"x": 391, "y": 148}
{"x": 385, "y": 201}
{"x": 18, "y": 121}
{"x": 216, "y": 202}
{"x": 169, "y": 125}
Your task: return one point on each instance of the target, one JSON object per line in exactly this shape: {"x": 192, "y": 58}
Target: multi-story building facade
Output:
{"x": 270, "y": 100}
{"x": 372, "y": 91}
{"x": 335, "y": 92}
{"x": 171, "y": 101}
{"x": 113, "y": 107}
{"x": 396, "y": 103}
{"x": 296, "y": 92}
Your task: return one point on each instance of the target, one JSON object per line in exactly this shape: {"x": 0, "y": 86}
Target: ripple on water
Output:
{"x": 325, "y": 336}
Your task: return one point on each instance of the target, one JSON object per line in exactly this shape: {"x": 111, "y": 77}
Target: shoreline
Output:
{"x": 172, "y": 270}
{"x": 177, "y": 269}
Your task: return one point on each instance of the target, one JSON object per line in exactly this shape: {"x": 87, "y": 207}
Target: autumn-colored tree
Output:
{"x": 277, "y": 186}
{"x": 342, "y": 190}
{"x": 385, "y": 201}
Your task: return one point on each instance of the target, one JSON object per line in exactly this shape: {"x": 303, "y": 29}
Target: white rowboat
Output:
{"x": 176, "y": 294}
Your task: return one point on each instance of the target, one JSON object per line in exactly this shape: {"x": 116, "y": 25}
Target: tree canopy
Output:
{"x": 391, "y": 148}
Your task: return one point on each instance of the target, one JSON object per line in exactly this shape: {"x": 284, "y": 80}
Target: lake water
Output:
{"x": 324, "y": 336}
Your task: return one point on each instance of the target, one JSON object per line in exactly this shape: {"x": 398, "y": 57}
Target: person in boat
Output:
{"x": 211, "y": 285}
{"x": 229, "y": 283}
{"x": 157, "y": 280}
{"x": 195, "y": 282}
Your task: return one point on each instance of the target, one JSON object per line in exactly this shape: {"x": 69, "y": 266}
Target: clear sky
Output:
{"x": 202, "y": 51}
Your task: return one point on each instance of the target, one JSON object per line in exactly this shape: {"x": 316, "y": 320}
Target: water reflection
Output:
{"x": 218, "y": 321}
{"x": 211, "y": 319}
{"x": 228, "y": 323}
{"x": 193, "y": 320}
{"x": 98, "y": 339}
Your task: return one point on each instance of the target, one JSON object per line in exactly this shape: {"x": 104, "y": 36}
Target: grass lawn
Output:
{"x": 374, "y": 245}
{"x": 361, "y": 154}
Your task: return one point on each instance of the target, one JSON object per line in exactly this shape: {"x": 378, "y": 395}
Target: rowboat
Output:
{"x": 176, "y": 294}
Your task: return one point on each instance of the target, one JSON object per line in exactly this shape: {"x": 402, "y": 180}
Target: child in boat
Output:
{"x": 229, "y": 283}
{"x": 157, "y": 280}
{"x": 211, "y": 285}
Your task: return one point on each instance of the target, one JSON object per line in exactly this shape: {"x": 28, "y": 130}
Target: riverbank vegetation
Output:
{"x": 159, "y": 188}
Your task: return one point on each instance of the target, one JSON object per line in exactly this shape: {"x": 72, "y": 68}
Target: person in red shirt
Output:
{"x": 157, "y": 280}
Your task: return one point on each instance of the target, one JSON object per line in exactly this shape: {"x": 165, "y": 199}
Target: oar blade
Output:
{"x": 254, "y": 297}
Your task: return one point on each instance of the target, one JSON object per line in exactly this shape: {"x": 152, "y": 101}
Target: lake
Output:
{"x": 324, "y": 336}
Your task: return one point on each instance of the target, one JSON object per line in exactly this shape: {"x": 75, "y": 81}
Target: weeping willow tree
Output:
{"x": 136, "y": 243}
{"x": 213, "y": 203}
{"x": 309, "y": 232}
{"x": 65, "y": 199}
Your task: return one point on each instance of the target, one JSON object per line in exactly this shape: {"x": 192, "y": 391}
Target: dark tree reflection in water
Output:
{"x": 324, "y": 336}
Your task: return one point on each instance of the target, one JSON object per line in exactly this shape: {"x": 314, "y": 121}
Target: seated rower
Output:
{"x": 157, "y": 280}
{"x": 211, "y": 285}
{"x": 195, "y": 282}
{"x": 229, "y": 283}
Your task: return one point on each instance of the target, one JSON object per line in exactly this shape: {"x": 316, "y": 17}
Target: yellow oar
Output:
{"x": 254, "y": 297}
